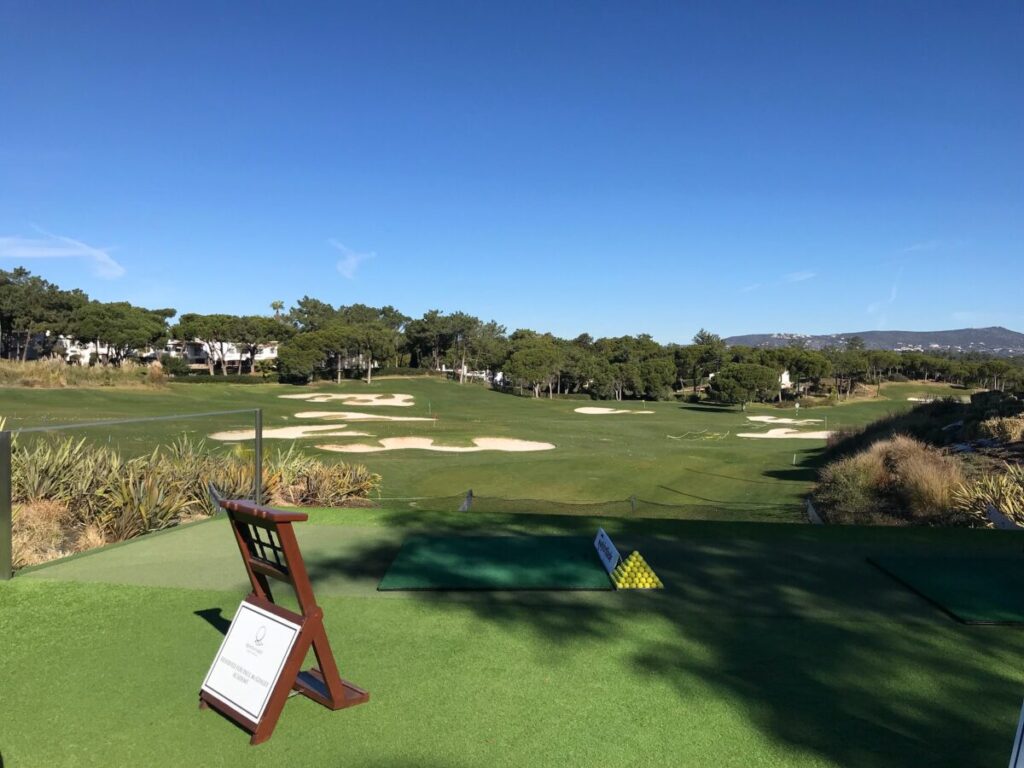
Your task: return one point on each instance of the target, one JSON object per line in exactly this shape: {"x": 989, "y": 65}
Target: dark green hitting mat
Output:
{"x": 974, "y": 590}
{"x": 496, "y": 562}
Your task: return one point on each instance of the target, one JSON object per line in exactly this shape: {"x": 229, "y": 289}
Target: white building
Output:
{"x": 197, "y": 353}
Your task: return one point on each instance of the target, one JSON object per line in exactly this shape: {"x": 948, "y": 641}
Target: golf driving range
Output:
{"x": 495, "y": 634}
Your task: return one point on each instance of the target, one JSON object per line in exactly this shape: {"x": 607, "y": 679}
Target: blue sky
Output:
{"x": 603, "y": 167}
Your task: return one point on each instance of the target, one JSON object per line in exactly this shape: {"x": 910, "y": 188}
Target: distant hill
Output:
{"x": 995, "y": 340}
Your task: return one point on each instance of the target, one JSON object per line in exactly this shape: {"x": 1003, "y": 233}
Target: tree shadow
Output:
{"x": 820, "y": 652}
{"x": 726, "y": 477}
{"x": 711, "y": 408}
{"x": 805, "y": 471}
{"x": 722, "y": 502}
{"x": 796, "y": 474}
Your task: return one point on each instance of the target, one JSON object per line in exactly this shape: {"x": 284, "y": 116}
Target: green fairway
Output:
{"x": 496, "y": 562}
{"x": 771, "y": 645}
{"x": 679, "y": 460}
{"x": 974, "y": 590}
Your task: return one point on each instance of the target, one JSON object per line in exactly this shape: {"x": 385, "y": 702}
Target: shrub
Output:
{"x": 42, "y": 531}
{"x": 55, "y": 373}
{"x": 174, "y": 366}
{"x": 1002, "y": 490}
{"x": 896, "y": 481}
{"x": 1006, "y": 429}
{"x": 155, "y": 375}
{"x": 331, "y": 485}
{"x": 72, "y": 495}
{"x": 203, "y": 377}
{"x": 845, "y": 493}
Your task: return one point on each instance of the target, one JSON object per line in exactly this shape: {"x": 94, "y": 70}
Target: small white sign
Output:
{"x": 249, "y": 662}
{"x": 606, "y": 550}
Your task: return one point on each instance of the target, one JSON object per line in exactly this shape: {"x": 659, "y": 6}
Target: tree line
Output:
{"x": 318, "y": 340}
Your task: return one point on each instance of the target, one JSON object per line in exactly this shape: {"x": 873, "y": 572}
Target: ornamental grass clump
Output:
{"x": 1006, "y": 429}
{"x": 71, "y": 495}
{"x": 899, "y": 481}
{"x": 54, "y": 373}
{"x": 1003, "y": 491}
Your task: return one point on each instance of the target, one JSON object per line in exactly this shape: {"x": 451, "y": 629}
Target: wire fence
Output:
{"x": 69, "y": 487}
{"x": 65, "y": 488}
{"x": 630, "y": 507}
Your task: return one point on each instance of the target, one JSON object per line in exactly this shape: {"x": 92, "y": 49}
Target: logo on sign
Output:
{"x": 606, "y": 550}
{"x": 260, "y": 634}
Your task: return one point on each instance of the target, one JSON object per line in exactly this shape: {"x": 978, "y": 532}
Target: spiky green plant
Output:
{"x": 1002, "y": 490}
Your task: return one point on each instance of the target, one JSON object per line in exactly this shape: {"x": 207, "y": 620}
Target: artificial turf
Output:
{"x": 772, "y": 645}
{"x": 496, "y": 562}
{"x": 974, "y": 590}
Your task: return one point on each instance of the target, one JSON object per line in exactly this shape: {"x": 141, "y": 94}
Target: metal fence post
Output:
{"x": 258, "y": 451}
{"x": 6, "y": 518}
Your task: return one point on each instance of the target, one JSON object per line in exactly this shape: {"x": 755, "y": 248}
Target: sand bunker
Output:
{"x": 350, "y": 416}
{"x": 290, "y": 433}
{"x": 427, "y": 444}
{"x": 780, "y": 420}
{"x": 784, "y": 433}
{"x": 352, "y": 399}
{"x": 596, "y": 411}
{"x": 922, "y": 399}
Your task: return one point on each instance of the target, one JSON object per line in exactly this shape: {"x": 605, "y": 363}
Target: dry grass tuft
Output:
{"x": 54, "y": 373}
{"x": 900, "y": 481}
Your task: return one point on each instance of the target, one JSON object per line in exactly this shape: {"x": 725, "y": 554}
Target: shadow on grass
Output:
{"x": 805, "y": 471}
{"x": 711, "y": 408}
{"x": 724, "y": 477}
{"x": 215, "y": 618}
{"x": 749, "y": 505}
{"x": 819, "y": 651}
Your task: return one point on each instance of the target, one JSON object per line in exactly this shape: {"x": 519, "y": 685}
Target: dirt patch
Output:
{"x": 427, "y": 444}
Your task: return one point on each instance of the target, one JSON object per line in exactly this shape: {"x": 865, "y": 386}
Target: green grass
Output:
{"x": 771, "y": 645}
{"x": 597, "y": 459}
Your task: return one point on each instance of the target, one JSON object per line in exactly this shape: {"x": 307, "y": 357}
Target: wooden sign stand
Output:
{"x": 269, "y": 550}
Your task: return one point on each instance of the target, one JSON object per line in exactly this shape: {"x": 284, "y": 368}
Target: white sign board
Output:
{"x": 606, "y": 550}
{"x": 1017, "y": 756}
{"x": 254, "y": 651}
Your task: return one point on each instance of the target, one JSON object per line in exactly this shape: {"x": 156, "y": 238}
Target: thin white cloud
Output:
{"x": 792, "y": 277}
{"x": 926, "y": 246}
{"x": 52, "y": 246}
{"x": 350, "y": 260}
{"x": 799, "y": 277}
